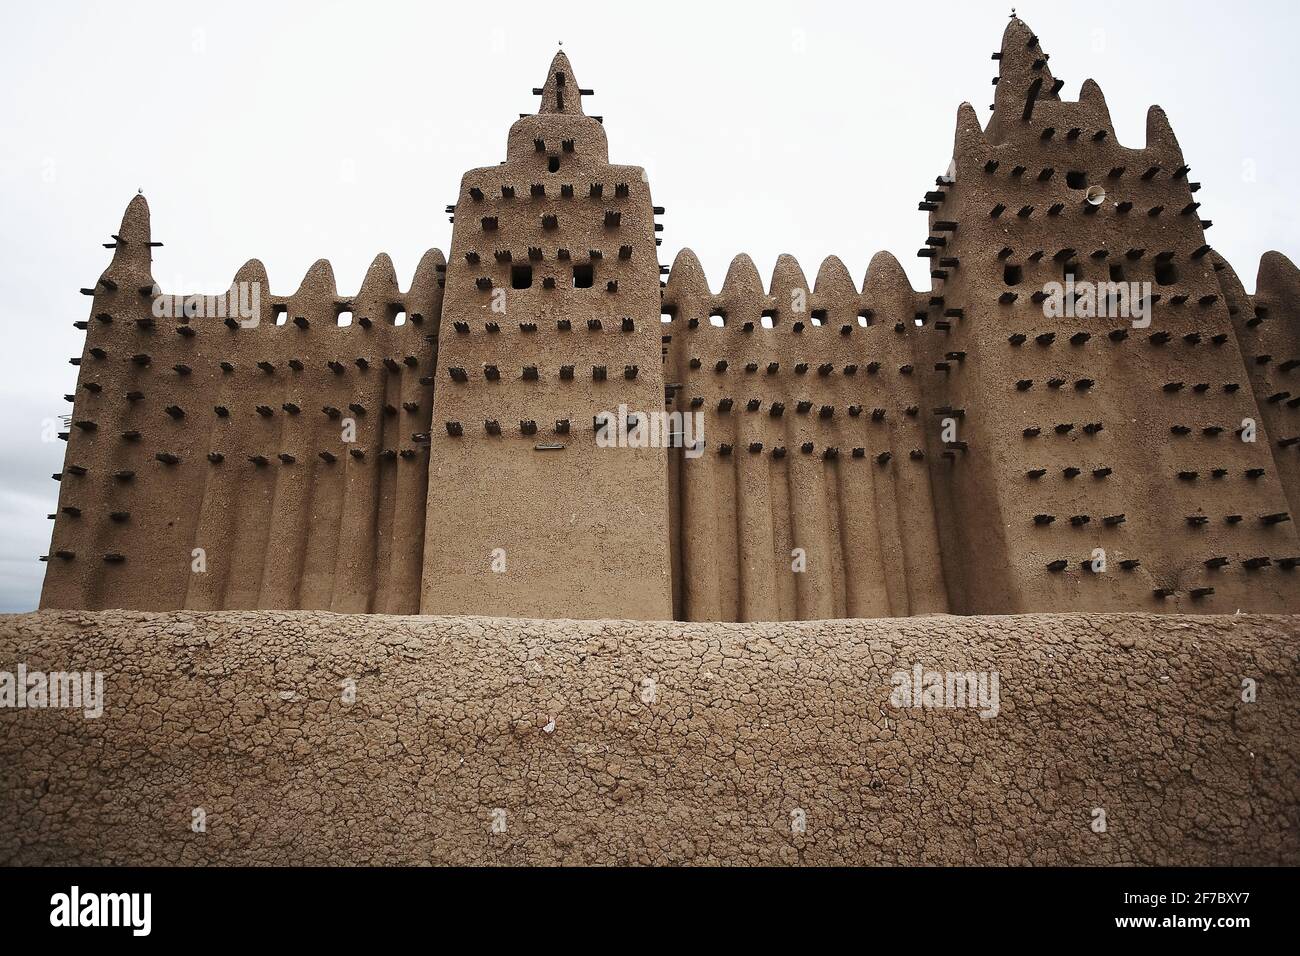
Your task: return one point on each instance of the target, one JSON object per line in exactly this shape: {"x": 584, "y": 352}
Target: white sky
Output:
{"x": 296, "y": 131}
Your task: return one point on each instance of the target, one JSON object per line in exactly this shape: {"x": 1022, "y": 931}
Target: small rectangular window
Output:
{"x": 584, "y": 276}
{"x": 521, "y": 277}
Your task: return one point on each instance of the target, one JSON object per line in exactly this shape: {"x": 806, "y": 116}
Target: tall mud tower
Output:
{"x": 550, "y": 319}
{"x": 1091, "y": 435}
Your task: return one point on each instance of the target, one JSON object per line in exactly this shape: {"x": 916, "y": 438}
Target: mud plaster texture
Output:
{"x": 553, "y": 722}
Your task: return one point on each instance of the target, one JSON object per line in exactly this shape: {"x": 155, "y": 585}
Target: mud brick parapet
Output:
{"x": 625, "y": 742}
{"x": 867, "y": 450}
{"x": 205, "y": 466}
{"x": 816, "y": 424}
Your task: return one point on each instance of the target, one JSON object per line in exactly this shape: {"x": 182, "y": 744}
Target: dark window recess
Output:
{"x": 1012, "y": 275}
{"x": 1116, "y": 272}
{"x": 584, "y": 276}
{"x": 553, "y": 164}
{"x": 1166, "y": 273}
{"x": 521, "y": 277}
{"x": 1076, "y": 180}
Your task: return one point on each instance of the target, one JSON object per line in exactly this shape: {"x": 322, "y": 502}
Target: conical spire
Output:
{"x": 378, "y": 291}
{"x": 687, "y": 283}
{"x": 314, "y": 300}
{"x": 132, "y": 242}
{"x": 743, "y": 280}
{"x": 1278, "y": 279}
{"x": 887, "y": 288}
{"x": 1024, "y": 79}
{"x": 560, "y": 93}
{"x": 788, "y": 281}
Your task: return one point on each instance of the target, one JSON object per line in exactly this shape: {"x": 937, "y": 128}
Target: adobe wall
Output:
{"x": 1268, "y": 330}
{"x": 557, "y": 724}
{"x": 226, "y": 433}
{"x": 815, "y": 439}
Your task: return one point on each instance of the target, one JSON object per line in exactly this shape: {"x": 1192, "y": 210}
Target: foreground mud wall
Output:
{"x": 618, "y": 742}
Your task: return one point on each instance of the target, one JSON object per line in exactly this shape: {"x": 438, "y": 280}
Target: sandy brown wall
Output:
{"x": 618, "y": 742}
{"x": 815, "y": 441}
{"x": 1268, "y": 328}
{"x": 207, "y": 464}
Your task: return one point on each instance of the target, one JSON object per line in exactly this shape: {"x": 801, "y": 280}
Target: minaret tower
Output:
{"x": 551, "y": 318}
{"x": 1126, "y": 434}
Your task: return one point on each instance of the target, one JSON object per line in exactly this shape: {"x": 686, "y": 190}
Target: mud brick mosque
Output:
{"x": 434, "y": 449}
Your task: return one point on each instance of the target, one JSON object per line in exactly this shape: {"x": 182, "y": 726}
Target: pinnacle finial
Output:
{"x": 560, "y": 93}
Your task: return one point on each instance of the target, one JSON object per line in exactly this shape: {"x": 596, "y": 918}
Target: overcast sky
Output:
{"x": 296, "y": 131}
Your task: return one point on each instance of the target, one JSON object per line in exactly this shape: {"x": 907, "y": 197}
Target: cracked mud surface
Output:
{"x": 557, "y": 724}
